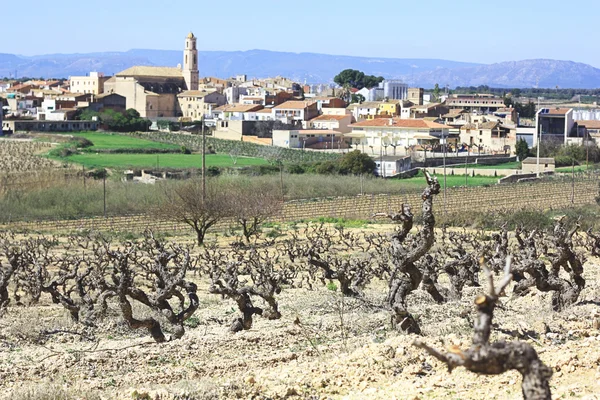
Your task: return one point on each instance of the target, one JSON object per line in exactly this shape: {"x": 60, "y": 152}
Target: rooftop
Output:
{"x": 533, "y": 160}
{"x": 330, "y": 117}
{"x": 294, "y": 105}
{"x": 240, "y": 108}
{"x": 400, "y": 123}
{"x": 365, "y": 104}
{"x": 166, "y": 72}
{"x": 195, "y": 93}
{"x": 589, "y": 124}
{"x": 483, "y": 125}
{"x": 556, "y": 111}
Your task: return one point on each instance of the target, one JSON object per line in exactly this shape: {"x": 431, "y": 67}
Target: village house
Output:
{"x": 384, "y": 132}
{"x": 479, "y": 103}
{"x": 490, "y": 136}
{"x": 196, "y": 104}
{"x": 339, "y": 123}
{"x": 556, "y": 124}
{"x": 308, "y": 138}
{"x": 243, "y": 112}
{"x": 93, "y": 83}
{"x": 295, "y": 110}
{"x": 365, "y": 110}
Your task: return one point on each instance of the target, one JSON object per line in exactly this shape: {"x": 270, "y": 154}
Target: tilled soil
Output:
{"x": 324, "y": 347}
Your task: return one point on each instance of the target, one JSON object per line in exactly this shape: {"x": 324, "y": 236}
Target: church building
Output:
{"x": 155, "y": 92}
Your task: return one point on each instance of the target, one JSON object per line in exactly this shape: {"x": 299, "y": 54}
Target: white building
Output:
{"x": 395, "y": 132}
{"x": 391, "y": 165}
{"x": 298, "y": 139}
{"x": 388, "y": 89}
{"x": 233, "y": 94}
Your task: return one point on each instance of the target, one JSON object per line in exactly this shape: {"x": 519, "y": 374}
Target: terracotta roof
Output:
{"x": 265, "y": 111}
{"x": 167, "y": 72}
{"x": 483, "y": 125}
{"x": 426, "y": 106}
{"x": 589, "y": 124}
{"x": 239, "y": 108}
{"x": 293, "y": 105}
{"x": 330, "y": 117}
{"x": 400, "y": 123}
{"x": 557, "y": 111}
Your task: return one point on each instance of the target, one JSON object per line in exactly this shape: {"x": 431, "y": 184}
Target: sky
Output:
{"x": 461, "y": 30}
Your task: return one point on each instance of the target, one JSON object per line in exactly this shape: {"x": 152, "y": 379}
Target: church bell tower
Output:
{"x": 190, "y": 63}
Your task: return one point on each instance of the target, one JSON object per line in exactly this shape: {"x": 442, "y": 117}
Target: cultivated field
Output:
{"x": 304, "y": 311}
{"x": 24, "y": 156}
{"x": 123, "y": 161}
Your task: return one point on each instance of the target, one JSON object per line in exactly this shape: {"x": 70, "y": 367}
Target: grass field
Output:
{"x": 119, "y": 161}
{"x": 451, "y": 180}
{"x": 508, "y": 165}
{"x": 116, "y": 141}
{"x": 578, "y": 168}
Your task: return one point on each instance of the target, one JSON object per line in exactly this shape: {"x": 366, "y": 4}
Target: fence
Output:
{"x": 555, "y": 193}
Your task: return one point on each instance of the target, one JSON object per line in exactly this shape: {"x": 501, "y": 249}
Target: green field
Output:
{"x": 120, "y": 161}
{"x": 104, "y": 141}
{"x": 578, "y": 168}
{"x": 508, "y": 165}
{"x": 456, "y": 180}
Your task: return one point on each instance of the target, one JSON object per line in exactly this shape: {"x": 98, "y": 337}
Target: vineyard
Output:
{"x": 222, "y": 146}
{"x": 312, "y": 311}
{"x": 24, "y": 156}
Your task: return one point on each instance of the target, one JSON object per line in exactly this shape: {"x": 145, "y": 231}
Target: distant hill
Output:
{"x": 314, "y": 68}
{"x": 527, "y": 73}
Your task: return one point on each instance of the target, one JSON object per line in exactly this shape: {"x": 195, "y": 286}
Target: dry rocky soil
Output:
{"x": 324, "y": 347}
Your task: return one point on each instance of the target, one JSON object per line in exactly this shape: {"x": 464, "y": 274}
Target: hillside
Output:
{"x": 315, "y": 68}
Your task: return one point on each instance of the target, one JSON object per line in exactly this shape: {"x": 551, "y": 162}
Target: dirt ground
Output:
{"x": 324, "y": 347}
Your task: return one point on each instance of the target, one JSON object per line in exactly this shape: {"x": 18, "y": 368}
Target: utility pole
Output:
{"x": 104, "y": 190}
{"x": 444, "y": 158}
{"x": 203, "y": 159}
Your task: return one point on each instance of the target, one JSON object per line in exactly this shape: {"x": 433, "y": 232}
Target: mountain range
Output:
{"x": 314, "y": 68}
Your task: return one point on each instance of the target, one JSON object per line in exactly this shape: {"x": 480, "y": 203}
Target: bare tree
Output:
{"x": 251, "y": 204}
{"x": 496, "y": 358}
{"x": 188, "y": 203}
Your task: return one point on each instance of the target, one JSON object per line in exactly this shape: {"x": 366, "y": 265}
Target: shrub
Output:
{"x": 564, "y": 161}
{"x": 295, "y": 169}
{"x": 327, "y": 168}
{"x": 356, "y": 163}
{"x": 185, "y": 150}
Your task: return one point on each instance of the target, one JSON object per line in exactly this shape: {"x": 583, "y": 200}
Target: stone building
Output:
{"x": 153, "y": 91}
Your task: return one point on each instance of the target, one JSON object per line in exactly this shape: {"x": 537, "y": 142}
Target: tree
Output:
{"x": 251, "y": 204}
{"x": 356, "y": 163}
{"x": 358, "y": 98}
{"x": 436, "y": 92}
{"x": 357, "y": 79}
{"x": 522, "y": 149}
{"x": 188, "y": 204}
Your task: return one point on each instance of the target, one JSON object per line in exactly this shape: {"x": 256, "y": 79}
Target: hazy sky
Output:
{"x": 462, "y": 30}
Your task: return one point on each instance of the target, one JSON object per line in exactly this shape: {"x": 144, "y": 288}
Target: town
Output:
{"x": 167, "y": 233}
{"x": 386, "y": 119}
